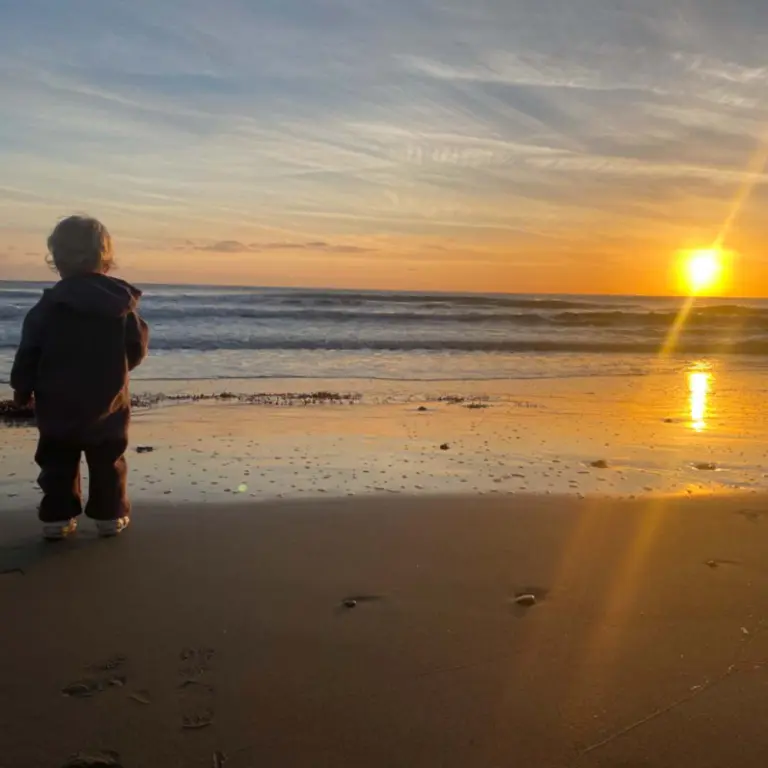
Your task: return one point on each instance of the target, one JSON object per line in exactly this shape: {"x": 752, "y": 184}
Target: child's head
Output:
{"x": 80, "y": 245}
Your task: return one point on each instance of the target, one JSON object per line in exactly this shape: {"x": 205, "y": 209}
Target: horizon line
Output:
{"x": 433, "y": 292}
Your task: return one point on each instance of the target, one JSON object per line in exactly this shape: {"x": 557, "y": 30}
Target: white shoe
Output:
{"x": 59, "y": 531}
{"x": 109, "y": 528}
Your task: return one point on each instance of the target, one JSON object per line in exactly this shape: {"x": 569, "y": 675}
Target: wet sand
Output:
{"x": 218, "y": 635}
{"x": 620, "y": 437}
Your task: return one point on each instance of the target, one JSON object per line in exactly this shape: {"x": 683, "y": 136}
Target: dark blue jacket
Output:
{"x": 78, "y": 344}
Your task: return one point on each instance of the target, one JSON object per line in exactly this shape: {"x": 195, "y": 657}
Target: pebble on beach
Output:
{"x": 526, "y": 601}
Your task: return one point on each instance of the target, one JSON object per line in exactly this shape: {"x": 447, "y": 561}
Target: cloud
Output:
{"x": 315, "y": 245}
{"x": 235, "y": 246}
{"x": 533, "y": 70}
{"x": 223, "y": 246}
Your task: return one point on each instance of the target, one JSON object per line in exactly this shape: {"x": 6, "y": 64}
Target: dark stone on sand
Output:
{"x": 705, "y": 466}
{"x": 423, "y": 408}
{"x": 144, "y": 449}
{"x": 599, "y": 464}
{"x": 445, "y": 447}
{"x": 353, "y": 600}
{"x": 107, "y": 759}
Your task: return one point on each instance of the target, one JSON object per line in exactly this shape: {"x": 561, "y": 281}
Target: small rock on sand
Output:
{"x": 526, "y": 601}
{"x": 144, "y": 449}
{"x": 445, "y": 447}
{"x": 599, "y": 464}
{"x": 705, "y": 466}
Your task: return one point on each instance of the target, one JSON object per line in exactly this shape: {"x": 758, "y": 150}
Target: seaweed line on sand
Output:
{"x": 10, "y": 413}
{"x": 257, "y": 398}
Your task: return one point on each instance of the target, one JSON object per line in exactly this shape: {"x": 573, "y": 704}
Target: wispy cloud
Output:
{"x": 317, "y": 246}
{"x": 313, "y": 127}
{"x": 223, "y": 246}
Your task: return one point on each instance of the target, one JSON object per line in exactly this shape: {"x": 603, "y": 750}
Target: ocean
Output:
{"x": 255, "y": 333}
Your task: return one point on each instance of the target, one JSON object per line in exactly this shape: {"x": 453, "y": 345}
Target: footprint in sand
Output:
{"x": 106, "y": 759}
{"x": 100, "y": 677}
{"x": 753, "y": 515}
{"x": 196, "y": 694}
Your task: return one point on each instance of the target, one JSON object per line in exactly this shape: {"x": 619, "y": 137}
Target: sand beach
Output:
{"x": 314, "y": 582}
{"x": 387, "y": 632}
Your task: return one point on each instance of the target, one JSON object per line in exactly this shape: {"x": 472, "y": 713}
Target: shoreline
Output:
{"x": 645, "y": 645}
{"x": 684, "y": 435}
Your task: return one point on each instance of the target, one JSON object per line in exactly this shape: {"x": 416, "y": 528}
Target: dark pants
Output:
{"x": 59, "y": 479}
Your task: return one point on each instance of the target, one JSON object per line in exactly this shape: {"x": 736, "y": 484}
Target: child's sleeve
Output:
{"x": 136, "y": 340}
{"x": 24, "y": 370}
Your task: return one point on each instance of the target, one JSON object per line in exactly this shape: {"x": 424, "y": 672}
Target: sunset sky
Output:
{"x": 489, "y": 145}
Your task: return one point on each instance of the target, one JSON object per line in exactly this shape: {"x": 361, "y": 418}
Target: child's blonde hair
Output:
{"x": 79, "y": 245}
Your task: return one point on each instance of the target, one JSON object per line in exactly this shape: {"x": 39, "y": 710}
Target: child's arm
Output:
{"x": 24, "y": 371}
{"x": 136, "y": 340}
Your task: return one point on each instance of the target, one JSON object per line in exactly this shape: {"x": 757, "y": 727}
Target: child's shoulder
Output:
{"x": 41, "y": 308}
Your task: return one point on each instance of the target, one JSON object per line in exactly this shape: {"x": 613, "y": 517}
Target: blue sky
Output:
{"x": 542, "y": 145}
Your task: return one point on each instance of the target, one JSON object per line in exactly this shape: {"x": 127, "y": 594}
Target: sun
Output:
{"x": 702, "y": 270}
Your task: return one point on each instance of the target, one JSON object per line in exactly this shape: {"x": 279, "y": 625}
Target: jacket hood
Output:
{"x": 95, "y": 294}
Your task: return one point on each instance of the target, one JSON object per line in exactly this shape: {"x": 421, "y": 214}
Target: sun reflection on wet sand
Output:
{"x": 698, "y": 386}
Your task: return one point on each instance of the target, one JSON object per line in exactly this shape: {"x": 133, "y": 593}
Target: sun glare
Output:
{"x": 702, "y": 270}
{"x": 698, "y": 384}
